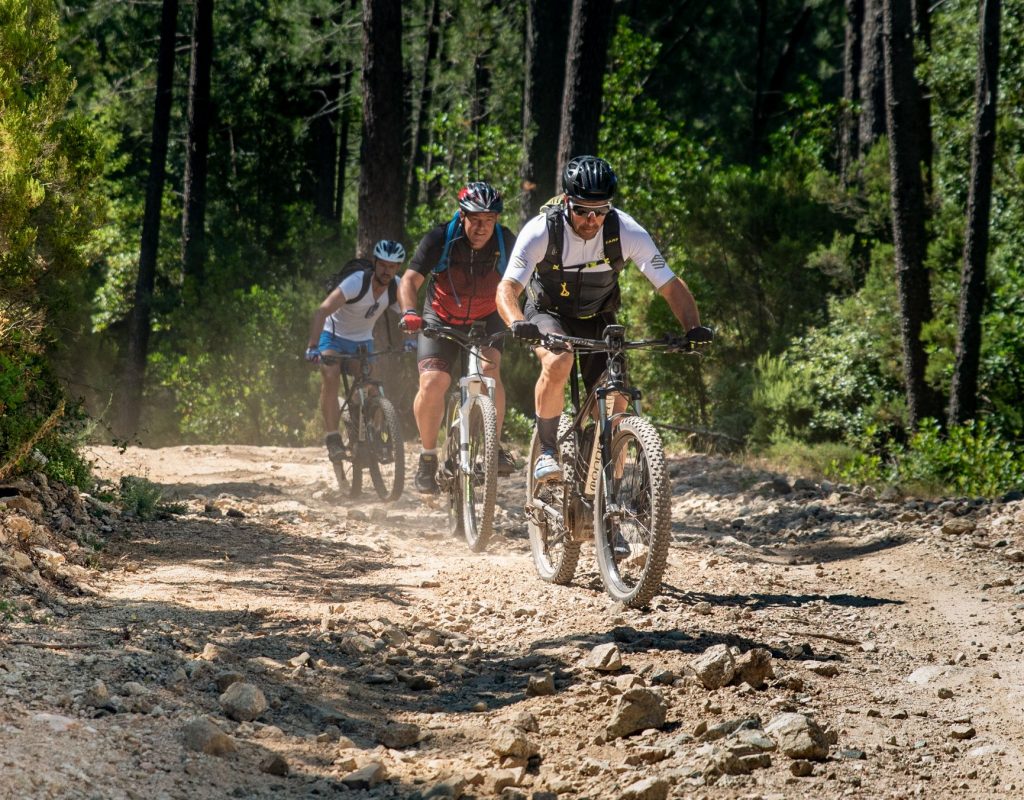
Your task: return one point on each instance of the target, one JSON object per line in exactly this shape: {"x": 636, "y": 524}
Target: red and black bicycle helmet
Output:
{"x": 479, "y": 196}
{"x": 589, "y": 178}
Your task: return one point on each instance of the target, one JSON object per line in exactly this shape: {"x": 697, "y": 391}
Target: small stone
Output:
{"x": 399, "y": 735}
{"x": 243, "y": 702}
{"x": 646, "y": 789}
{"x": 961, "y": 732}
{"x": 945, "y": 693}
{"x": 274, "y": 764}
{"x": 715, "y": 667}
{"x": 540, "y": 685}
{"x": 957, "y": 526}
{"x": 802, "y": 769}
{"x": 604, "y": 658}
{"x": 203, "y": 735}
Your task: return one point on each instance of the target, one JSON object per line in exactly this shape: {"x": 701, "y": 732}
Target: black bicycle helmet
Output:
{"x": 589, "y": 178}
{"x": 479, "y": 196}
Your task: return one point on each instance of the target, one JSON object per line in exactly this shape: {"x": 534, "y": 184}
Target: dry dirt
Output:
{"x": 394, "y": 663}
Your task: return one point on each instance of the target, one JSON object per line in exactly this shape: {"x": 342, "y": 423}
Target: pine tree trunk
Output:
{"x": 872, "y": 77}
{"x": 848, "y": 134}
{"x": 546, "y": 37}
{"x": 589, "y": 36}
{"x": 421, "y": 111}
{"x": 907, "y": 198}
{"x": 134, "y": 365}
{"x": 381, "y": 176}
{"x": 963, "y": 396}
{"x": 325, "y": 146}
{"x": 193, "y": 218}
{"x": 923, "y": 28}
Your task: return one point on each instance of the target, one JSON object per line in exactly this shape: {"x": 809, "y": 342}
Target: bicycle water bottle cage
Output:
{"x": 614, "y": 335}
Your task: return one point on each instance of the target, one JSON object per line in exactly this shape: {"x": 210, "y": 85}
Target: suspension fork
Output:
{"x": 473, "y": 383}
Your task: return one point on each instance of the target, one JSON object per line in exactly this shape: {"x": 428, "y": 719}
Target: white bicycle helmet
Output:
{"x": 389, "y": 250}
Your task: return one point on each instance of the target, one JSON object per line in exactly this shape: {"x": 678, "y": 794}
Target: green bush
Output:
{"x": 140, "y": 496}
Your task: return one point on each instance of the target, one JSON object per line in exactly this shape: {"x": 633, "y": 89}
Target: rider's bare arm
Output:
{"x": 409, "y": 289}
{"x": 680, "y": 300}
{"x": 332, "y": 303}
{"x": 507, "y": 301}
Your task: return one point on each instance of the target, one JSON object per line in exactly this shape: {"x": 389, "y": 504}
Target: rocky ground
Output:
{"x": 273, "y": 640}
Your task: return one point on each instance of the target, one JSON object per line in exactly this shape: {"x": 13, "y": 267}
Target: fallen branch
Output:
{"x": 26, "y": 446}
{"x": 48, "y": 645}
{"x": 696, "y": 431}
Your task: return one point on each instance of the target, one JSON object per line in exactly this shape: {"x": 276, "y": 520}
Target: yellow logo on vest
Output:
{"x": 565, "y": 290}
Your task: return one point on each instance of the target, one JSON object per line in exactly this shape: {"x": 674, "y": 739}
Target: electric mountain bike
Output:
{"x": 614, "y": 484}
{"x": 467, "y": 469}
{"x": 370, "y": 433}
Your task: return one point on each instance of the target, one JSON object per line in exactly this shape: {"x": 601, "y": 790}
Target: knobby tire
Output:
{"x": 632, "y": 549}
{"x": 480, "y": 487}
{"x": 385, "y": 451}
{"x": 555, "y": 554}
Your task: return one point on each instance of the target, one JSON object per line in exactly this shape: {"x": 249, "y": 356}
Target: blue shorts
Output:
{"x": 328, "y": 341}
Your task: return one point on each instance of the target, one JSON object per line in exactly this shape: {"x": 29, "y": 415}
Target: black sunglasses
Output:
{"x": 372, "y": 309}
{"x": 586, "y": 211}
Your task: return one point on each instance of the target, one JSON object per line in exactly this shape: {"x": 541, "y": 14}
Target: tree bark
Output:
{"x": 769, "y": 96}
{"x": 325, "y": 146}
{"x": 589, "y": 36}
{"x": 907, "y": 198}
{"x": 849, "y": 124}
{"x": 923, "y": 30}
{"x": 963, "y": 395}
{"x": 193, "y": 218}
{"x": 381, "y": 184}
{"x": 872, "y": 123}
{"x": 546, "y": 39}
{"x": 134, "y": 365}
{"x": 421, "y": 111}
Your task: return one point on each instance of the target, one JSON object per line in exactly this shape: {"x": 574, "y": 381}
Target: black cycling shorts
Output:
{"x": 592, "y": 365}
{"x": 444, "y": 355}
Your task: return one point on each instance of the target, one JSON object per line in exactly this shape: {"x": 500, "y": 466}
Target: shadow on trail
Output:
{"x": 759, "y": 600}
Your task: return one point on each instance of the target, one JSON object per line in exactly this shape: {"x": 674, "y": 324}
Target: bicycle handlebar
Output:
{"x": 332, "y": 359}
{"x": 669, "y": 341}
{"x": 467, "y": 339}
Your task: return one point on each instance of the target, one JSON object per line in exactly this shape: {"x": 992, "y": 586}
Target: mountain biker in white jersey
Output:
{"x": 573, "y": 287}
{"x": 344, "y": 322}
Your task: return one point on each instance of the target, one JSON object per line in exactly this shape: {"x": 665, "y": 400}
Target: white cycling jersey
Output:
{"x": 577, "y": 253}
{"x": 354, "y": 321}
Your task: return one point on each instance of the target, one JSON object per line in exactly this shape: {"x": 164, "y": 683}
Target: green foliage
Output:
{"x": 240, "y": 377}
{"x": 139, "y": 496}
{"x": 518, "y": 427}
{"x": 972, "y": 459}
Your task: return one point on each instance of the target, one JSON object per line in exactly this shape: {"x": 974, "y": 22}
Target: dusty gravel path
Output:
{"x": 395, "y": 663}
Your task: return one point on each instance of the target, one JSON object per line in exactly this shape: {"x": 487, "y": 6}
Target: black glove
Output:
{"x": 522, "y": 329}
{"x": 700, "y": 336}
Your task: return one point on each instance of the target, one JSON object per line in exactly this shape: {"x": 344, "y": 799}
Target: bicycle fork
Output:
{"x": 473, "y": 383}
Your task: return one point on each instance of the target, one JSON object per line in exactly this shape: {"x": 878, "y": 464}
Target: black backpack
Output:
{"x": 553, "y": 211}
{"x": 365, "y": 266}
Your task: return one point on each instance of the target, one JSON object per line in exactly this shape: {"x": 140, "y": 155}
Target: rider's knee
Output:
{"x": 434, "y": 382}
{"x": 557, "y": 365}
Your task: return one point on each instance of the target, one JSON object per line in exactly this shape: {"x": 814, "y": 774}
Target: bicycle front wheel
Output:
{"x": 385, "y": 452}
{"x": 347, "y": 471}
{"x": 480, "y": 485}
{"x": 632, "y": 514}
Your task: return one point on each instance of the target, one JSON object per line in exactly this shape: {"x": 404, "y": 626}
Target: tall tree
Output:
{"x": 872, "y": 123}
{"x": 963, "y": 395}
{"x": 381, "y": 184}
{"x": 768, "y": 94}
{"x": 421, "y": 109}
{"x": 589, "y": 36}
{"x": 345, "y": 101}
{"x": 848, "y": 134}
{"x": 134, "y": 364}
{"x": 546, "y": 35}
{"x": 193, "y": 218}
{"x": 923, "y": 30}
{"x": 902, "y": 96}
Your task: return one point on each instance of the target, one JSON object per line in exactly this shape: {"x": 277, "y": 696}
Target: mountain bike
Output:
{"x": 370, "y": 433}
{"x": 614, "y": 483}
{"x": 467, "y": 470}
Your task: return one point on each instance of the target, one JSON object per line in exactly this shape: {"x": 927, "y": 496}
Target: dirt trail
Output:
{"x": 277, "y": 641}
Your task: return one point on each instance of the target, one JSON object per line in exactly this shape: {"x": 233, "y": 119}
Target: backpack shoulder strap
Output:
{"x": 613, "y": 242}
{"x": 556, "y": 227}
{"x": 393, "y": 291}
{"x": 502, "y": 255}
{"x": 451, "y": 233}
{"x": 367, "y": 275}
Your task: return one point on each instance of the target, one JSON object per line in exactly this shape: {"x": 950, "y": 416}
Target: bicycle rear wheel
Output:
{"x": 555, "y": 553}
{"x": 347, "y": 471}
{"x": 632, "y": 514}
{"x": 385, "y": 452}
{"x": 448, "y": 467}
{"x": 480, "y": 486}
